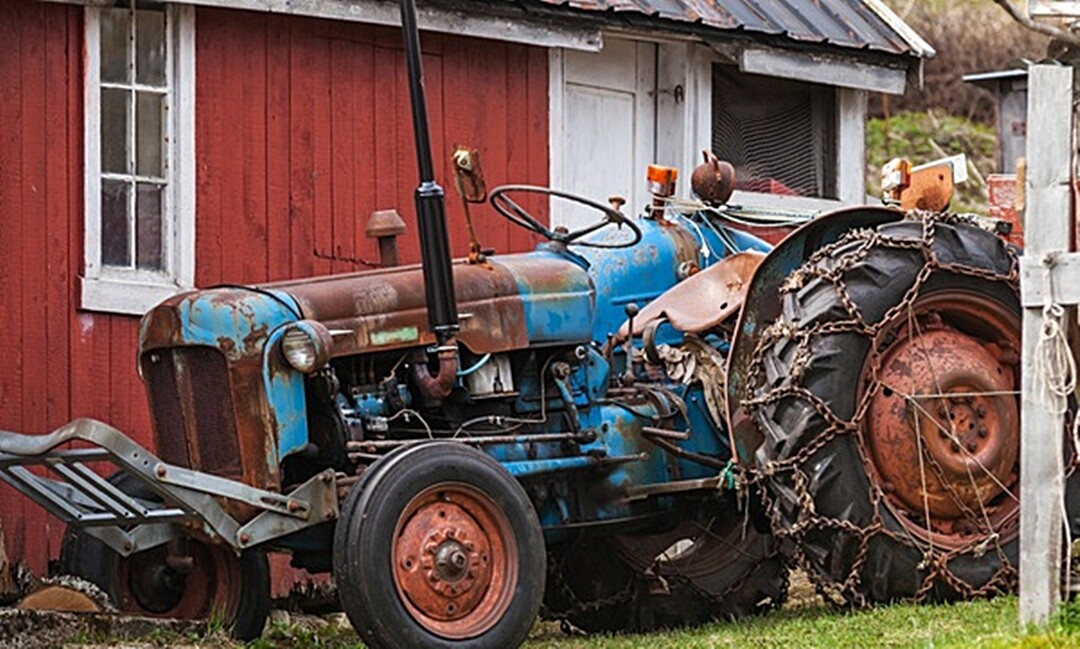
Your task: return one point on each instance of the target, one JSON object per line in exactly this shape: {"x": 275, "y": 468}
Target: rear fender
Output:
{"x": 762, "y": 306}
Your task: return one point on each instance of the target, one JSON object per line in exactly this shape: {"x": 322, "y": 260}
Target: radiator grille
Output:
{"x": 193, "y": 409}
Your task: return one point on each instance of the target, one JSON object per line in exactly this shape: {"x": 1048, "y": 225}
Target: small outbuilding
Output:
{"x": 147, "y": 147}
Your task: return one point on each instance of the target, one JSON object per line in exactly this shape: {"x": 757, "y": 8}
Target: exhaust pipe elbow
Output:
{"x": 440, "y": 385}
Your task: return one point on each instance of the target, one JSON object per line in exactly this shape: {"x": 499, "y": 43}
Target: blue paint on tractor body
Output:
{"x": 570, "y": 307}
{"x": 252, "y": 323}
{"x": 565, "y": 314}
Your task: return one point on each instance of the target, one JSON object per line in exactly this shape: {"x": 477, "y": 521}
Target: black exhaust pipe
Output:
{"x": 430, "y": 198}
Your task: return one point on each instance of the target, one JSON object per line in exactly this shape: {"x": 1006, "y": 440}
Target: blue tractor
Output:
{"x": 639, "y": 424}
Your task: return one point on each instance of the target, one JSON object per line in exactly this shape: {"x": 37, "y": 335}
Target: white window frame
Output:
{"x": 127, "y": 290}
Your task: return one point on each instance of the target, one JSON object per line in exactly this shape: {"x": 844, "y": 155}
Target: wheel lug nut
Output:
{"x": 980, "y": 411}
{"x": 982, "y": 432}
{"x": 942, "y": 434}
{"x": 942, "y": 411}
{"x": 955, "y": 447}
{"x": 971, "y": 446}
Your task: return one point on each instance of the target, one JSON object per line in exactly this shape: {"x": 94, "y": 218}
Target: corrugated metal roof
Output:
{"x": 854, "y": 24}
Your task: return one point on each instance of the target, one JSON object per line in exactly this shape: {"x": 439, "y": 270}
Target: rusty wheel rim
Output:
{"x": 455, "y": 562}
{"x": 209, "y": 584}
{"x": 942, "y": 426}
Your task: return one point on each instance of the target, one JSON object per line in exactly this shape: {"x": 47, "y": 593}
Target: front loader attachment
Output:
{"x": 80, "y": 497}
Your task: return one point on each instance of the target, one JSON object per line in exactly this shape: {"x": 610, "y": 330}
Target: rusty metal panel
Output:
{"x": 386, "y": 309}
{"x": 702, "y": 301}
{"x": 843, "y": 23}
{"x": 194, "y": 419}
{"x": 159, "y": 372}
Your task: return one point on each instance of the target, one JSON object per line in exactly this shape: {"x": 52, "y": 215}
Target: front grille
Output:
{"x": 194, "y": 420}
{"x": 159, "y": 371}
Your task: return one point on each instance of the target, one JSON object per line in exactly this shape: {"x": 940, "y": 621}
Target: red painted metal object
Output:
{"x": 943, "y": 431}
{"x": 1003, "y": 194}
{"x": 455, "y": 563}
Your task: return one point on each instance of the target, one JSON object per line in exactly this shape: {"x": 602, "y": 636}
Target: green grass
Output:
{"x": 991, "y": 624}
{"x": 968, "y": 624}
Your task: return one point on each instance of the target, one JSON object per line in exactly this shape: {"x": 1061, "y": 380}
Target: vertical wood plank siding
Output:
{"x": 302, "y": 129}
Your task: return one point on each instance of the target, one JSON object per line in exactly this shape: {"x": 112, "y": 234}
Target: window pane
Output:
{"x": 149, "y": 135}
{"x": 115, "y": 40}
{"x": 148, "y": 230}
{"x": 150, "y": 47}
{"x": 115, "y": 247}
{"x": 115, "y": 105}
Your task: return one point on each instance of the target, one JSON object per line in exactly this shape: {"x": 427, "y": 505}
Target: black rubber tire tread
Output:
{"x": 362, "y": 570}
{"x": 84, "y": 556}
{"x": 837, "y": 479}
{"x": 753, "y": 580}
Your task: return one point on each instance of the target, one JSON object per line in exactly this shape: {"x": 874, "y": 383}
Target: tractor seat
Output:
{"x": 703, "y": 300}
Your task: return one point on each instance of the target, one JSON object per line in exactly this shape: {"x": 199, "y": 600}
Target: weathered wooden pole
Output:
{"x": 1047, "y": 229}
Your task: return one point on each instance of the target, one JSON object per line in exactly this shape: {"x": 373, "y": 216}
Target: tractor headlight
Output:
{"x": 306, "y": 346}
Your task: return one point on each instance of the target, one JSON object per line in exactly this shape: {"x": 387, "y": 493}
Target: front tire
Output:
{"x": 886, "y": 393}
{"x": 439, "y": 546}
{"x": 218, "y": 584}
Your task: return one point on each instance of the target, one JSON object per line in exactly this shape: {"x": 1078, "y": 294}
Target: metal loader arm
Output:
{"x": 83, "y": 498}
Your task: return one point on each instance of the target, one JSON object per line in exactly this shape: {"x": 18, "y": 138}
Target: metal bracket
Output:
{"x": 82, "y": 498}
{"x": 320, "y": 490}
{"x": 211, "y": 484}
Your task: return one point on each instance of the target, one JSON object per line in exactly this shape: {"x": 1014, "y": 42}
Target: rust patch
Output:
{"x": 455, "y": 562}
{"x": 704, "y": 300}
{"x": 943, "y": 432}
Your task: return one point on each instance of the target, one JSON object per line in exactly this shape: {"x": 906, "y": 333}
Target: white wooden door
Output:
{"x": 604, "y": 126}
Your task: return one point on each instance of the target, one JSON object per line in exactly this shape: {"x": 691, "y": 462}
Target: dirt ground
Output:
{"x": 47, "y": 630}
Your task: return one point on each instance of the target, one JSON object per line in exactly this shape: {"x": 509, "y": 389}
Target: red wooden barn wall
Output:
{"x": 302, "y": 129}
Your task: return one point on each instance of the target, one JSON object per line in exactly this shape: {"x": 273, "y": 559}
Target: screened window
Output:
{"x": 780, "y": 134}
{"x": 140, "y": 66}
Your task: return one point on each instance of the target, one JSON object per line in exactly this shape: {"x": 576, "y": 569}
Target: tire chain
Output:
{"x": 631, "y": 591}
{"x": 842, "y": 257}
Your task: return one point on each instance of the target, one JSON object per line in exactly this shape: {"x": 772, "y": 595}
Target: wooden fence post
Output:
{"x": 1047, "y": 229}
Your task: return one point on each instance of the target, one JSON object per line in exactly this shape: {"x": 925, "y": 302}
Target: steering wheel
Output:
{"x": 511, "y": 211}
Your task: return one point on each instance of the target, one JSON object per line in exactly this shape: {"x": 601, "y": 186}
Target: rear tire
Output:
{"x": 879, "y": 491}
{"x": 235, "y": 589}
{"x": 438, "y": 546}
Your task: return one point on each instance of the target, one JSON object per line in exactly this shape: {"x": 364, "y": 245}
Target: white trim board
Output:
{"x": 804, "y": 66}
{"x": 542, "y": 33}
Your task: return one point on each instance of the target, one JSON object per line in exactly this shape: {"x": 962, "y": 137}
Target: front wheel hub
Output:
{"x": 452, "y": 561}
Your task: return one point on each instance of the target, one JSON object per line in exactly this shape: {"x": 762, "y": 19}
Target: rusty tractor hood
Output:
{"x": 508, "y": 303}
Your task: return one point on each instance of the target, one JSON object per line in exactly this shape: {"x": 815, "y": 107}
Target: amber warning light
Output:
{"x": 662, "y": 180}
